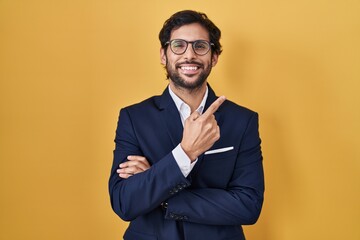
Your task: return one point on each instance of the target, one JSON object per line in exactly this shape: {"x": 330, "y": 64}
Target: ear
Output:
{"x": 162, "y": 56}
{"x": 214, "y": 59}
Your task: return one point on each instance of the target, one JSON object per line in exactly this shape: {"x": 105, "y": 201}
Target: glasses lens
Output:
{"x": 178, "y": 46}
{"x": 201, "y": 47}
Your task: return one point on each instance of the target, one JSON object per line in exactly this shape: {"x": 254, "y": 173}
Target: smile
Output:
{"x": 187, "y": 68}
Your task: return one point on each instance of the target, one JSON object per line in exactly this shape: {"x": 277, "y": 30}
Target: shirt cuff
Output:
{"x": 183, "y": 161}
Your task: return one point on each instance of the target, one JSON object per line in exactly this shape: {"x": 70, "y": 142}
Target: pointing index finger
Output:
{"x": 214, "y": 106}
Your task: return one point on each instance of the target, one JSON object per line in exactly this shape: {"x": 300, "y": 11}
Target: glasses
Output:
{"x": 179, "y": 46}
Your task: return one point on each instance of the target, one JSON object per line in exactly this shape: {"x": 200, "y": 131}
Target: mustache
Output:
{"x": 177, "y": 65}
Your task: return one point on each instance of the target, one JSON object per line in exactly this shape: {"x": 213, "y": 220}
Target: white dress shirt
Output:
{"x": 180, "y": 156}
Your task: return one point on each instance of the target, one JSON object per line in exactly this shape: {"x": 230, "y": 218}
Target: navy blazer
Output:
{"x": 223, "y": 191}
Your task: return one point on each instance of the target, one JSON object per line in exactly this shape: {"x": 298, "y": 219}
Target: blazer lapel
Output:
{"x": 171, "y": 117}
{"x": 211, "y": 98}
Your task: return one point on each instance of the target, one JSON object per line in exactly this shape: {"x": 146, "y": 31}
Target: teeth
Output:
{"x": 189, "y": 68}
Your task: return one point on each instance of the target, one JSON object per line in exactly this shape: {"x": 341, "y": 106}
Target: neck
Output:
{"x": 191, "y": 97}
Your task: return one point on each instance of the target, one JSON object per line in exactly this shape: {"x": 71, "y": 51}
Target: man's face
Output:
{"x": 188, "y": 70}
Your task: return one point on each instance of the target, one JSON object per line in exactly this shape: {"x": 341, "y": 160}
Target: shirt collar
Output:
{"x": 180, "y": 103}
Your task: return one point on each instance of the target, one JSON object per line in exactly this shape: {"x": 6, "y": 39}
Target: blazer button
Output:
{"x": 164, "y": 205}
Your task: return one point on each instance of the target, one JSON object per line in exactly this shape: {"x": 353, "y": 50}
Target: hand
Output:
{"x": 136, "y": 164}
{"x": 201, "y": 131}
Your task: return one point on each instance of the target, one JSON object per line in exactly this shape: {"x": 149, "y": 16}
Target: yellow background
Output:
{"x": 68, "y": 66}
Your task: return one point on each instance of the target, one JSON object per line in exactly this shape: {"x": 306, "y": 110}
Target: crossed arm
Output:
{"x": 233, "y": 206}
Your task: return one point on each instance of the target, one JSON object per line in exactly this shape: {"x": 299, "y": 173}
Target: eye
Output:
{"x": 201, "y": 45}
{"x": 178, "y": 44}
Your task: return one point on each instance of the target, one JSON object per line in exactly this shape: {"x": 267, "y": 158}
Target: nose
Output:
{"x": 189, "y": 53}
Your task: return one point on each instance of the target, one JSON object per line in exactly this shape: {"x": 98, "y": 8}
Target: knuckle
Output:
{"x": 214, "y": 131}
{"x": 208, "y": 126}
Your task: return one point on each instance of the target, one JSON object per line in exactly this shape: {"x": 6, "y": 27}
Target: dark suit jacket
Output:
{"x": 223, "y": 191}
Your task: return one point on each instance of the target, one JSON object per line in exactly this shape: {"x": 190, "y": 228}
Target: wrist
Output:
{"x": 191, "y": 155}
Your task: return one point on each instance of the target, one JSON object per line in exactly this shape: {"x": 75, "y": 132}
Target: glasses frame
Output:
{"x": 192, "y": 45}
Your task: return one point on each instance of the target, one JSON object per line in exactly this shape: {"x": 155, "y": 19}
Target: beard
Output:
{"x": 180, "y": 82}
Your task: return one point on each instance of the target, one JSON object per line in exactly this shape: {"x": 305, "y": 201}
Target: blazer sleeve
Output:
{"x": 240, "y": 203}
{"x": 143, "y": 192}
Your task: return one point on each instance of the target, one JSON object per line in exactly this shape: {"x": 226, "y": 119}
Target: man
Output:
{"x": 187, "y": 165}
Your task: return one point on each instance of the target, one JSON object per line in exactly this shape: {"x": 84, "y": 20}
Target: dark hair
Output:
{"x": 187, "y": 17}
